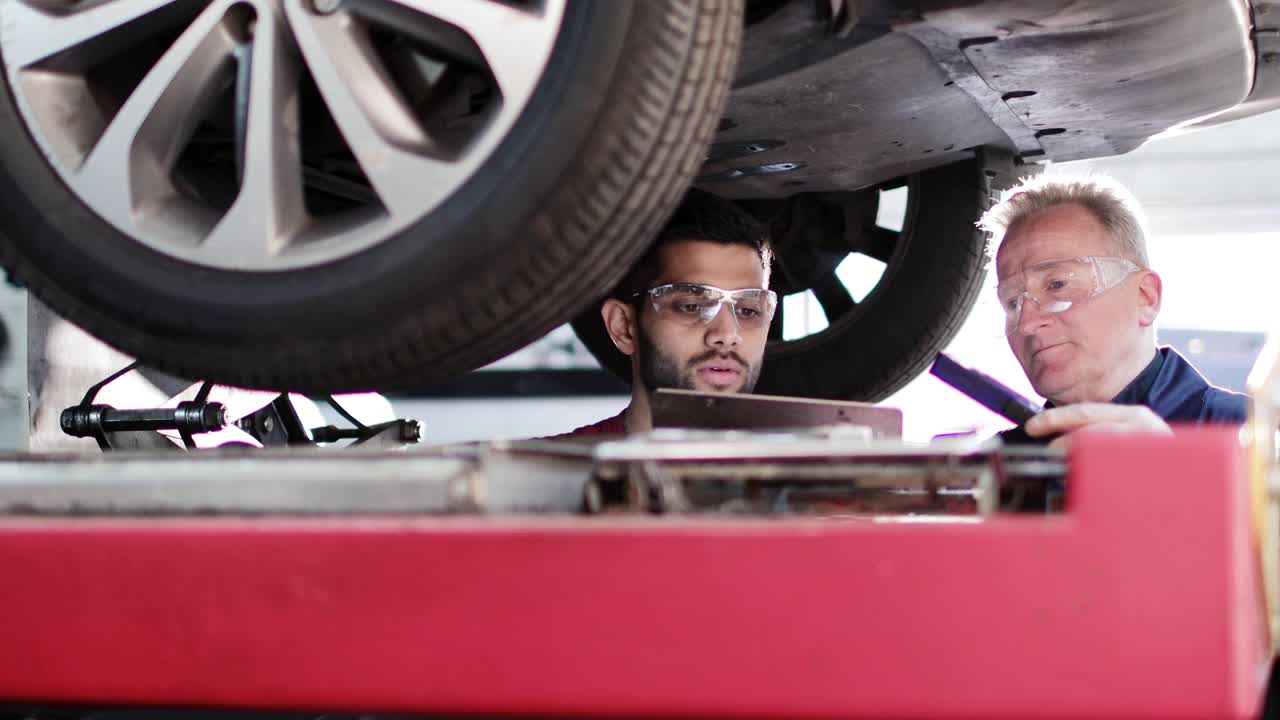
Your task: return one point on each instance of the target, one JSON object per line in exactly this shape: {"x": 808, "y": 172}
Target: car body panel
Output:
{"x": 907, "y": 86}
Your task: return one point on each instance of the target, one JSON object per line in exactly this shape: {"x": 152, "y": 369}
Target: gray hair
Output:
{"x": 1107, "y": 200}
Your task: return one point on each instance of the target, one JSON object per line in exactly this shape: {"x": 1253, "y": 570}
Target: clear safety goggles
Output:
{"x": 1058, "y": 285}
{"x": 692, "y": 304}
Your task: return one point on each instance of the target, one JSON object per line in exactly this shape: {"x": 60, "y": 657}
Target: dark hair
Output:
{"x": 700, "y": 216}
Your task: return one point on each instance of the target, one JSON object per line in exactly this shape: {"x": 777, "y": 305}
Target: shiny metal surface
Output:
{"x": 120, "y": 160}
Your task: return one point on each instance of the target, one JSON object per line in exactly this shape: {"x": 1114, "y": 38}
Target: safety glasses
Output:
{"x": 1058, "y": 285}
{"x": 691, "y": 304}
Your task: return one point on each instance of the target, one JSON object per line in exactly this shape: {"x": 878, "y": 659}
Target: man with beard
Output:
{"x": 1081, "y": 300}
{"x": 694, "y": 313}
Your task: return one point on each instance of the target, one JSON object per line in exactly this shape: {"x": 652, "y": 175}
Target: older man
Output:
{"x": 1081, "y": 301}
{"x": 694, "y": 313}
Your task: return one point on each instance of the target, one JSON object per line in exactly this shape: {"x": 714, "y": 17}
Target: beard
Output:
{"x": 660, "y": 370}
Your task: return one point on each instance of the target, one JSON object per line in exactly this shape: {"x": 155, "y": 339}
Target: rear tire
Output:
{"x": 921, "y": 301}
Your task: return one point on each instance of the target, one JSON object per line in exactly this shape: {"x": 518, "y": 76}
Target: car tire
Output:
{"x": 934, "y": 268}
{"x": 607, "y": 143}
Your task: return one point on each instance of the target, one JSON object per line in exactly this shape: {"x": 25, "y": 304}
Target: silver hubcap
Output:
{"x": 268, "y": 135}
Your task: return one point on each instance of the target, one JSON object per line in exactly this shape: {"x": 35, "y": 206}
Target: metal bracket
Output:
{"x": 101, "y": 422}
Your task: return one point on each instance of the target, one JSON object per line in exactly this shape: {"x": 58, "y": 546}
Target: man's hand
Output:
{"x": 1069, "y": 419}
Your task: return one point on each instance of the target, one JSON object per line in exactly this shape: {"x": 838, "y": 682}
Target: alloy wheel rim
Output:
{"x": 271, "y": 135}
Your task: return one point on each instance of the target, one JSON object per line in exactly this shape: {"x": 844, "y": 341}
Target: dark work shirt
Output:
{"x": 1174, "y": 390}
{"x": 616, "y": 425}
{"x": 1136, "y": 392}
